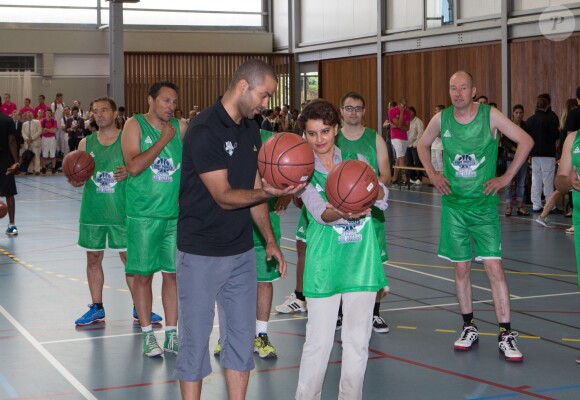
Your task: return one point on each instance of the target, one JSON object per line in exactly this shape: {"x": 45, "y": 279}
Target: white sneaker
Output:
{"x": 468, "y": 338}
{"x": 543, "y": 221}
{"x": 507, "y": 346}
{"x": 291, "y": 305}
{"x": 417, "y": 182}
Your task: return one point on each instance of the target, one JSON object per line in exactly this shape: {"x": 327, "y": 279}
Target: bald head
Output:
{"x": 463, "y": 75}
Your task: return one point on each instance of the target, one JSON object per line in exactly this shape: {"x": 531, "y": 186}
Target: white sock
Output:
{"x": 261, "y": 327}
{"x": 148, "y": 328}
{"x": 170, "y": 328}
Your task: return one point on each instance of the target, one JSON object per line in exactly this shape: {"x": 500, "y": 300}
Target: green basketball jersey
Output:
{"x": 155, "y": 191}
{"x": 366, "y": 146}
{"x": 341, "y": 258}
{"x": 469, "y": 159}
{"x": 103, "y": 200}
{"x": 275, "y": 218}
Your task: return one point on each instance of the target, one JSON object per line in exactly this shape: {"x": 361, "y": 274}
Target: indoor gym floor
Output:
{"x": 43, "y": 290}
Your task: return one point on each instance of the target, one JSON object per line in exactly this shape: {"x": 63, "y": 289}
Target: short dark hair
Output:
{"x": 482, "y": 97}
{"x": 542, "y": 102}
{"x": 41, "y": 95}
{"x": 518, "y": 107}
{"x": 492, "y": 104}
{"x": 352, "y": 95}
{"x": 28, "y": 99}
{"x": 441, "y": 106}
{"x": 253, "y": 71}
{"x": 107, "y": 99}
{"x": 411, "y": 108}
{"x": 319, "y": 109}
{"x": 156, "y": 87}
{"x": 121, "y": 108}
{"x": 75, "y": 108}
{"x": 547, "y": 97}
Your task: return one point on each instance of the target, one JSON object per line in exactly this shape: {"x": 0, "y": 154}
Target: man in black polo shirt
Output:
{"x": 221, "y": 193}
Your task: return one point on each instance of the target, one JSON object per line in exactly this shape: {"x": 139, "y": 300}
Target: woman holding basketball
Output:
{"x": 343, "y": 262}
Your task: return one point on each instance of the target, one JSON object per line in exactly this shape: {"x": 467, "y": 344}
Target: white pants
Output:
{"x": 62, "y": 141}
{"x": 357, "y": 309}
{"x": 543, "y": 169}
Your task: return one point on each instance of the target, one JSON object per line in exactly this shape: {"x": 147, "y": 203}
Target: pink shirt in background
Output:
{"x": 397, "y": 133}
{"x": 26, "y": 109}
{"x": 42, "y": 107}
{"x": 8, "y": 108}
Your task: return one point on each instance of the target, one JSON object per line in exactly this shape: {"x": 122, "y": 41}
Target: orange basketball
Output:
{"x": 352, "y": 186}
{"x": 285, "y": 160}
{"x": 78, "y": 166}
{"x": 3, "y": 209}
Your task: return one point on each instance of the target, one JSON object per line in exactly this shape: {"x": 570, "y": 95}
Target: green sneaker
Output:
{"x": 171, "y": 344}
{"x": 218, "y": 349}
{"x": 150, "y": 346}
{"x": 263, "y": 347}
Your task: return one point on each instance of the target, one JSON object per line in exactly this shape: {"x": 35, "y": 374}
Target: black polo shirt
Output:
{"x": 213, "y": 142}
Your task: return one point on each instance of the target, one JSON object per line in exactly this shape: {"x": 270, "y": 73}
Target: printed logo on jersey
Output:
{"x": 447, "y": 133}
{"x": 319, "y": 188}
{"x": 350, "y": 232}
{"x": 92, "y": 154}
{"x": 104, "y": 181}
{"x": 148, "y": 140}
{"x": 576, "y": 150}
{"x": 465, "y": 165}
{"x": 301, "y": 229}
{"x": 229, "y": 147}
{"x": 163, "y": 168}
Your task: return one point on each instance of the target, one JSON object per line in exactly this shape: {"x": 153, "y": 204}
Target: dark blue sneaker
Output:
{"x": 11, "y": 230}
{"x": 155, "y": 318}
{"x": 91, "y": 316}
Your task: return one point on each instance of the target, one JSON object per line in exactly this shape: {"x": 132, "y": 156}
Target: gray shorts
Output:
{"x": 201, "y": 282}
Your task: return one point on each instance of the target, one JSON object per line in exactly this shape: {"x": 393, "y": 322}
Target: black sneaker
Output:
{"x": 339, "y": 322}
{"x": 380, "y": 325}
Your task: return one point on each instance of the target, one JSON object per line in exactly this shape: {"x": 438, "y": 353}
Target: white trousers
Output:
{"x": 357, "y": 309}
{"x": 62, "y": 141}
{"x": 543, "y": 169}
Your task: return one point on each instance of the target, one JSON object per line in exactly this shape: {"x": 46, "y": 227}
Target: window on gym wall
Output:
{"x": 233, "y": 14}
{"x": 309, "y": 86}
{"x": 16, "y": 63}
{"x": 439, "y": 13}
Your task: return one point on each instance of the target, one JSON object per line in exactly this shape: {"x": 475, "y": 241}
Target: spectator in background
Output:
{"x": 40, "y": 107}
{"x": 122, "y": 113}
{"x": 400, "y": 119}
{"x": 179, "y": 115}
{"x": 416, "y": 129}
{"x": 520, "y": 178}
{"x": 544, "y": 130}
{"x": 437, "y": 146}
{"x": 74, "y": 127}
{"x": 57, "y": 107}
{"x": 49, "y": 126}
{"x": 8, "y": 107}
{"x": 569, "y": 109}
{"x": 268, "y": 121}
{"x": 483, "y": 100}
{"x": 84, "y": 114}
{"x": 31, "y": 131}
{"x": 26, "y": 107}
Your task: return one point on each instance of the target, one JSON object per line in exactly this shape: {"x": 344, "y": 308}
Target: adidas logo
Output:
{"x": 576, "y": 150}
{"x": 319, "y": 188}
{"x": 447, "y": 133}
{"x": 148, "y": 140}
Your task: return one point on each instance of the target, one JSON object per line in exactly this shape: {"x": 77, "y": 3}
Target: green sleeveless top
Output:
{"x": 366, "y": 145}
{"x": 341, "y": 258}
{"x": 576, "y": 163}
{"x": 103, "y": 197}
{"x": 274, "y": 218}
{"x": 469, "y": 159}
{"x": 154, "y": 192}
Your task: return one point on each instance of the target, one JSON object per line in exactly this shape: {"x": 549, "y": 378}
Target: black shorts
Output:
{"x": 7, "y": 182}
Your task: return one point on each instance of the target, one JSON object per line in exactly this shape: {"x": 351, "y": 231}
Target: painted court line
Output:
{"x": 49, "y": 357}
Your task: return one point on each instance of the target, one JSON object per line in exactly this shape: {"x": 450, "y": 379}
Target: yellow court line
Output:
{"x": 481, "y": 269}
{"x": 446, "y": 330}
{"x": 570, "y": 340}
{"x": 406, "y": 327}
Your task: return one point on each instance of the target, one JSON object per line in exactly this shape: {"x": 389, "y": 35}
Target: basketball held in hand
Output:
{"x": 3, "y": 209}
{"x": 352, "y": 186}
{"x": 78, "y": 166}
{"x": 285, "y": 160}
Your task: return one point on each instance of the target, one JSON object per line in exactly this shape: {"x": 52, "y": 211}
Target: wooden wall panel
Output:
{"x": 540, "y": 66}
{"x": 201, "y": 78}
{"x": 423, "y": 76}
{"x": 337, "y": 77}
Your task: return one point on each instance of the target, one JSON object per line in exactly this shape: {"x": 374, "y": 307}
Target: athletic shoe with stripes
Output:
{"x": 507, "y": 346}
{"x": 380, "y": 325}
{"x": 150, "y": 346}
{"x": 468, "y": 338}
{"x": 291, "y": 305}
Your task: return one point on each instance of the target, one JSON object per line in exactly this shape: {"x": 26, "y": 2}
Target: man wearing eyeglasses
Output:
{"x": 400, "y": 119}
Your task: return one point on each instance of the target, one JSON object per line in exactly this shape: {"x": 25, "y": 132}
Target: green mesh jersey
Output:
{"x": 275, "y": 218}
{"x": 341, "y": 258}
{"x": 469, "y": 159}
{"x": 103, "y": 197}
{"x": 155, "y": 191}
{"x": 366, "y": 146}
